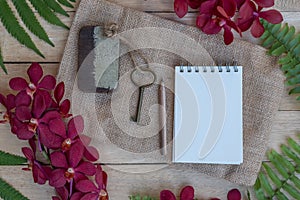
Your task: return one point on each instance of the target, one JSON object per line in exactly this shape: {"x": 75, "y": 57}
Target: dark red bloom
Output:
{"x": 40, "y": 173}
{"x": 64, "y": 106}
{"x": 250, "y": 15}
{"x": 93, "y": 192}
{"x": 187, "y": 193}
{"x": 70, "y": 167}
{"x": 35, "y": 74}
{"x": 216, "y": 15}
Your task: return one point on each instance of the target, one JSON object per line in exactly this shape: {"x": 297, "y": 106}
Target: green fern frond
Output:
{"x": 30, "y": 20}
{"x": 56, "y": 7}
{"x": 11, "y": 24}
{"x": 138, "y": 197}
{"x": 7, "y": 192}
{"x": 65, "y": 3}
{"x": 282, "y": 40}
{"x": 280, "y": 177}
{"x": 47, "y": 13}
{"x": 10, "y": 159}
{"x": 2, "y": 63}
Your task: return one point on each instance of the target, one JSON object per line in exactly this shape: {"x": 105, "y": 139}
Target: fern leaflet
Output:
{"x": 10, "y": 159}
{"x": 47, "y": 13}
{"x": 282, "y": 40}
{"x": 65, "y": 3}
{"x": 13, "y": 27}
{"x": 7, "y": 192}
{"x": 56, "y": 7}
{"x": 280, "y": 177}
{"x": 2, "y": 63}
{"x": 30, "y": 20}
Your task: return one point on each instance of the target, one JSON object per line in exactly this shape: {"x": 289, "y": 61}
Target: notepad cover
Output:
{"x": 208, "y": 115}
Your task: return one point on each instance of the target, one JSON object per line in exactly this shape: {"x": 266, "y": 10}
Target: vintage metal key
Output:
{"x": 141, "y": 77}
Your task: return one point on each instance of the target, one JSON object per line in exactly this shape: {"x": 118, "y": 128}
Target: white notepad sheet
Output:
{"x": 208, "y": 124}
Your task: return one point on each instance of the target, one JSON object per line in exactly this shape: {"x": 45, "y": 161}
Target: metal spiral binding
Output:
{"x": 220, "y": 69}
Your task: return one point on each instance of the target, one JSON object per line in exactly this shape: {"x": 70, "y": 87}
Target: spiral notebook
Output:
{"x": 208, "y": 125}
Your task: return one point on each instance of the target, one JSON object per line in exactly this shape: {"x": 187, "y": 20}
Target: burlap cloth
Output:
{"x": 167, "y": 44}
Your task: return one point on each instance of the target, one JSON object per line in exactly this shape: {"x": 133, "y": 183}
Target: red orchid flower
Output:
{"x": 250, "y": 15}
{"x": 35, "y": 74}
{"x": 93, "y": 192}
{"x": 216, "y": 15}
{"x": 64, "y": 106}
{"x": 74, "y": 134}
{"x": 40, "y": 173}
{"x": 70, "y": 167}
{"x": 9, "y": 103}
{"x": 187, "y": 193}
{"x": 27, "y": 121}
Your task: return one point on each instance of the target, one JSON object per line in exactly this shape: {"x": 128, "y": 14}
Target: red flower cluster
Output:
{"x": 215, "y": 15}
{"x": 37, "y": 116}
{"x": 188, "y": 193}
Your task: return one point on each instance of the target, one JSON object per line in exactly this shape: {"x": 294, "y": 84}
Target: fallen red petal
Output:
{"x": 187, "y": 193}
{"x": 234, "y": 194}
{"x": 180, "y": 7}
{"x": 167, "y": 195}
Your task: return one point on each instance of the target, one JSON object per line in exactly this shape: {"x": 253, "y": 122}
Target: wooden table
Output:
{"x": 121, "y": 184}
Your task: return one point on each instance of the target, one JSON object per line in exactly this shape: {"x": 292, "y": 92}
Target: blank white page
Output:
{"x": 208, "y": 125}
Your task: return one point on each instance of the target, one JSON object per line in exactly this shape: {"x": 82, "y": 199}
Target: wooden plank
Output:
{"x": 59, "y": 37}
{"x": 125, "y": 180}
{"x": 168, "y": 5}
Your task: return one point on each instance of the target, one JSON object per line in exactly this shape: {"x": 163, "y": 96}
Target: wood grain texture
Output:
{"x": 126, "y": 180}
{"x": 59, "y": 37}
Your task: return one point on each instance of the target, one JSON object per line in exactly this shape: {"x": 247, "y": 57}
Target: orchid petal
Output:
{"x": 59, "y": 91}
{"x": 28, "y": 153}
{"x": 247, "y": 10}
{"x": 90, "y": 196}
{"x": 48, "y": 138}
{"x": 230, "y": 7}
{"x": 18, "y": 83}
{"x": 86, "y": 168}
{"x": 167, "y": 195}
{"x": 76, "y": 196}
{"x": 23, "y": 113}
{"x": 38, "y": 106}
{"x": 180, "y": 7}
{"x": 47, "y": 97}
{"x": 202, "y": 19}
{"x": 58, "y": 159}
{"x": 75, "y": 154}
{"x": 187, "y": 193}
{"x": 239, "y": 3}
{"x": 75, "y": 126}
{"x": 49, "y": 116}
{"x": 63, "y": 192}
{"x": 228, "y": 35}
{"x": 244, "y": 25}
{"x": 57, "y": 126}
{"x": 222, "y": 12}
{"x": 38, "y": 176}
{"x": 22, "y": 99}
{"x": 208, "y": 7}
{"x": 10, "y": 102}
{"x": 57, "y": 178}
{"x": 265, "y": 3}
{"x": 272, "y": 16}
{"x": 35, "y": 73}
{"x": 23, "y": 133}
{"x": 234, "y": 194}
{"x": 48, "y": 82}
{"x": 3, "y": 100}
{"x": 195, "y": 4}
{"x": 86, "y": 140}
{"x": 101, "y": 177}
{"x": 65, "y": 106}
{"x": 86, "y": 186}
{"x": 32, "y": 144}
{"x": 91, "y": 154}
{"x": 211, "y": 27}
{"x": 257, "y": 28}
